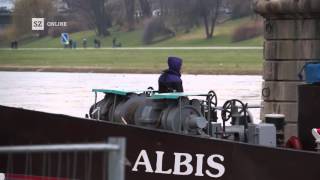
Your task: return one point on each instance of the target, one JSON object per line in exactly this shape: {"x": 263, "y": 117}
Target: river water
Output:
{"x": 70, "y": 93}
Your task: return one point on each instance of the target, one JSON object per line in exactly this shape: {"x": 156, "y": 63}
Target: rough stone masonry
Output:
{"x": 292, "y": 38}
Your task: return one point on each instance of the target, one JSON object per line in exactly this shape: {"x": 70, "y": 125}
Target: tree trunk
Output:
{"x": 145, "y": 7}
{"x": 100, "y": 17}
{"x": 129, "y": 5}
{"x": 209, "y": 13}
{"x": 206, "y": 25}
{"x": 92, "y": 10}
{"x": 214, "y": 19}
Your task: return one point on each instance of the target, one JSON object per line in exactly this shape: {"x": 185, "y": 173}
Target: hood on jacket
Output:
{"x": 175, "y": 64}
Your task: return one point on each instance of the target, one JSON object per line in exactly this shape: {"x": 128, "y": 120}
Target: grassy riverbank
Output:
{"x": 132, "y": 61}
{"x": 195, "y": 38}
{"x": 196, "y": 61}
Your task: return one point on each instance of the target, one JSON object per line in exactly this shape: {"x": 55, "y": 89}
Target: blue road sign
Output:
{"x": 64, "y": 38}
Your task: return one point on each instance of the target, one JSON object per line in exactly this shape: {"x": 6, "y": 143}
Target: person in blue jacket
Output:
{"x": 170, "y": 79}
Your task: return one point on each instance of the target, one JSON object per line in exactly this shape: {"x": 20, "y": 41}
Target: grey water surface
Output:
{"x": 71, "y": 93}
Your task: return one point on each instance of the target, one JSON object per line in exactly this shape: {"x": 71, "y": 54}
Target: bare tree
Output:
{"x": 209, "y": 12}
{"x": 25, "y": 10}
{"x": 117, "y": 13}
{"x": 179, "y": 14}
{"x": 93, "y": 9}
{"x": 240, "y": 8}
{"x": 145, "y": 8}
{"x": 130, "y": 10}
{"x": 185, "y": 14}
{"x": 101, "y": 20}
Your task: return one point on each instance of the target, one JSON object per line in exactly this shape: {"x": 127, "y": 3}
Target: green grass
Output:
{"x": 222, "y": 36}
{"x": 196, "y": 37}
{"x": 195, "y": 61}
{"x": 131, "y": 39}
{"x": 139, "y": 61}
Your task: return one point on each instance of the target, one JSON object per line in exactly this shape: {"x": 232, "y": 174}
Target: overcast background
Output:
{"x": 5, "y": 3}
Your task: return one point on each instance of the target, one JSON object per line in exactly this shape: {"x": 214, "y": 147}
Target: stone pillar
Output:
{"x": 292, "y": 38}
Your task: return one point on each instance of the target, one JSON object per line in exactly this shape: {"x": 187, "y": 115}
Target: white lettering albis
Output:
{"x": 181, "y": 160}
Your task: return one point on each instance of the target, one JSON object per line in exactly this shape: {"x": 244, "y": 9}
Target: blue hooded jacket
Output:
{"x": 170, "y": 80}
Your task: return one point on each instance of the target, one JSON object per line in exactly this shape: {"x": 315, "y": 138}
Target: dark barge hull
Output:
{"x": 241, "y": 161}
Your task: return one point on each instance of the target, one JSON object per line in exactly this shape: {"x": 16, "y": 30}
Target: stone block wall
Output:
{"x": 292, "y": 38}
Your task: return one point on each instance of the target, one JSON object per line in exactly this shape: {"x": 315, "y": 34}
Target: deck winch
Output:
{"x": 178, "y": 116}
{"x": 186, "y": 113}
{"x": 174, "y": 112}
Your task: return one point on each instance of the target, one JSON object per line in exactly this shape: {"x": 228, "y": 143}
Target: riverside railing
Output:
{"x": 78, "y": 161}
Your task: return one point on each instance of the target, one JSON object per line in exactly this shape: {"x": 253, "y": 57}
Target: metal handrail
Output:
{"x": 116, "y": 148}
{"x": 59, "y": 148}
{"x": 248, "y": 107}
